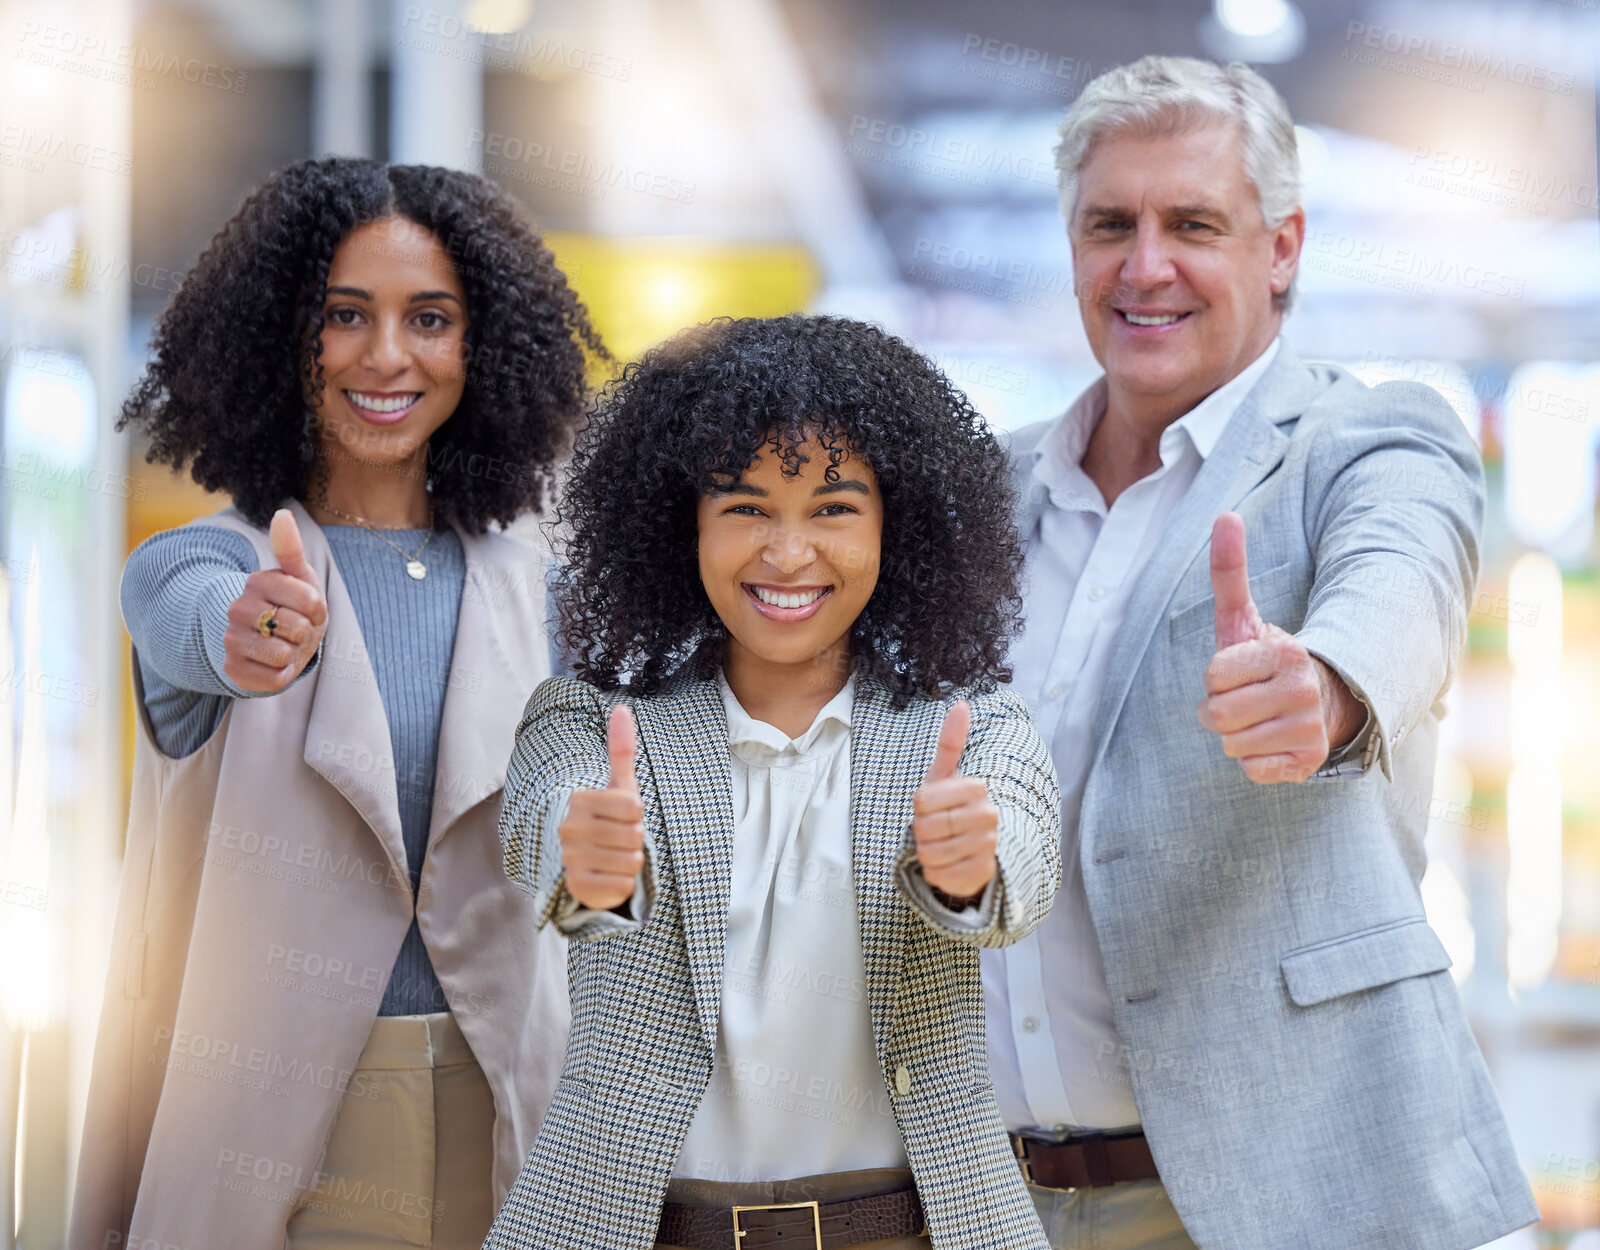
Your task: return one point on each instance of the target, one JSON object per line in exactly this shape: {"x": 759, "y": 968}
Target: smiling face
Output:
{"x": 789, "y": 562}
{"x": 393, "y": 344}
{"x": 1174, "y": 268}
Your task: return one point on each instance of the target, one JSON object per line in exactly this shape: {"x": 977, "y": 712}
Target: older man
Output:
{"x": 1236, "y": 1029}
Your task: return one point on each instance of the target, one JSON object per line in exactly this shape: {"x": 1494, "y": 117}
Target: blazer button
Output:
{"x": 902, "y": 1080}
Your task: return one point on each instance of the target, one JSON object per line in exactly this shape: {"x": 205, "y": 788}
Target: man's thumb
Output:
{"x": 1237, "y": 618}
{"x": 622, "y": 737}
{"x": 287, "y": 548}
{"x": 952, "y": 742}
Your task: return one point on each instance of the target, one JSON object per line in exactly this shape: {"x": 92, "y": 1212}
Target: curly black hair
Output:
{"x": 695, "y": 412}
{"x": 235, "y": 355}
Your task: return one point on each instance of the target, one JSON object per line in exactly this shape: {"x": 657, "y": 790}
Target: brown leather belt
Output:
{"x": 1086, "y": 1160}
{"x": 793, "y": 1225}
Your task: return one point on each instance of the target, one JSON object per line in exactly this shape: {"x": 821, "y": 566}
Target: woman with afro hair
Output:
{"x": 781, "y": 807}
{"x": 327, "y": 1021}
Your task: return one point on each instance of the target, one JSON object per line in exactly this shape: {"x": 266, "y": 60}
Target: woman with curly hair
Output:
{"x": 322, "y": 1026}
{"x": 782, "y": 807}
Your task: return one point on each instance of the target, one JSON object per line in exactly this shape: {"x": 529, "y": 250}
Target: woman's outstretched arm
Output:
{"x": 560, "y": 750}
{"x": 1004, "y": 750}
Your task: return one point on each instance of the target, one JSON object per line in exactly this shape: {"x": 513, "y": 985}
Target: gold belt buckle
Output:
{"x": 816, "y": 1218}
{"x": 1019, "y": 1147}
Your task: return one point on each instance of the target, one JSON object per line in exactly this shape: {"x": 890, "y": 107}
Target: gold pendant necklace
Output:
{"x": 415, "y": 567}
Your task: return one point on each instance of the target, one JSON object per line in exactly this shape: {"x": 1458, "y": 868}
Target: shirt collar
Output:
{"x": 744, "y": 729}
{"x": 1057, "y": 455}
{"x": 1205, "y": 422}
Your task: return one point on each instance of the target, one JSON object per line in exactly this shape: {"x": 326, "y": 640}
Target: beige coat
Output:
{"x": 264, "y": 900}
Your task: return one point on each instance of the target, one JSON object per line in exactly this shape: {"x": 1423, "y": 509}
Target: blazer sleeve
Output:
{"x": 1394, "y": 509}
{"x": 1005, "y": 749}
{"x": 560, "y": 748}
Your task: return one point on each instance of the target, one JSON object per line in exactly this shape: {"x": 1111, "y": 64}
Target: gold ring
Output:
{"x": 267, "y": 622}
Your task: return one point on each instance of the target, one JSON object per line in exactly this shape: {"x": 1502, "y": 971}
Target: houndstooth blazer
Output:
{"x": 645, "y": 996}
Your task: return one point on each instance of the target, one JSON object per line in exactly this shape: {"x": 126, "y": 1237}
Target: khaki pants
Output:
{"x": 833, "y": 1187}
{"x": 411, "y": 1154}
{"x": 1132, "y": 1215}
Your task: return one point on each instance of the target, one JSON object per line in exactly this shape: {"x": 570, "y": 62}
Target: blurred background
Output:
{"x": 888, "y": 159}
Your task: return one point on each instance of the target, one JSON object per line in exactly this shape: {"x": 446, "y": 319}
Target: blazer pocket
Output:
{"x": 1363, "y": 961}
{"x": 1276, "y": 585}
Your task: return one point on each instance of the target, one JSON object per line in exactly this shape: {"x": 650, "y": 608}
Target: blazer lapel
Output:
{"x": 499, "y": 657}
{"x": 1250, "y": 448}
{"x": 347, "y": 734}
{"x": 889, "y": 752}
{"x": 683, "y": 737}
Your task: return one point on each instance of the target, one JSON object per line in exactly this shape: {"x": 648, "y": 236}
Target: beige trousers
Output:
{"x": 411, "y": 1152}
{"x": 833, "y": 1187}
{"x": 1133, "y": 1215}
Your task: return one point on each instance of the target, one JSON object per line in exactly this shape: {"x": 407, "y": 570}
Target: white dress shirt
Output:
{"x": 1054, "y": 1052}
{"x": 796, "y": 1089}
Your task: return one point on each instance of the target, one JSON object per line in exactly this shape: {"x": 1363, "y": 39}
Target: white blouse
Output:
{"x": 796, "y": 1089}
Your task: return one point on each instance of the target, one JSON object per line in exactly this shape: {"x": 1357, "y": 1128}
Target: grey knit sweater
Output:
{"x": 175, "y": 595}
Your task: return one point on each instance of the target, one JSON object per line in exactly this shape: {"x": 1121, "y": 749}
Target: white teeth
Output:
{"x": 375, "y": 403}
{"x": 777, "y": 600}
{"x": 1164, "y": 320}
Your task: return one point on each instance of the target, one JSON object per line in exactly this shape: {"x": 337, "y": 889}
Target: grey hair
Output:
{"x": 1163, "y": 95}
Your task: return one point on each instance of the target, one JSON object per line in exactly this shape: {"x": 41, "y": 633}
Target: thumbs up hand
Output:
{"x": 953, "y": 821}
{"x": 1275, "y": 706}
{"x": 269, "y": 661}
{"x": 602, "y": 838}
{"x": 1237, "y": 618}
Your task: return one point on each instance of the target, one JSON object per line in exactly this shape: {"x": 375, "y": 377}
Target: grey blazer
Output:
{"x": 1298, "y": 1052}
{"x": 646, "y": 996}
